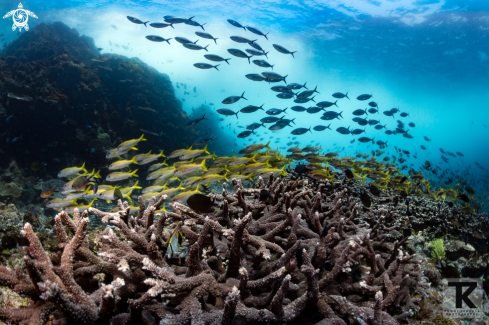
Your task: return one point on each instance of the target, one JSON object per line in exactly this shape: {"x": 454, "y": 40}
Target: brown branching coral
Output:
{"x": 248, "y": 263}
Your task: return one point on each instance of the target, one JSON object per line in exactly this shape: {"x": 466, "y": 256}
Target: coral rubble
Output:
{"x": 305, "y": 256}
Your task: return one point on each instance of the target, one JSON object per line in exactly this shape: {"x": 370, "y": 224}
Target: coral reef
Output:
{"x": 56, "y": 77}
{"x": 437, "y": 249}
{"x": 305, "y": 256}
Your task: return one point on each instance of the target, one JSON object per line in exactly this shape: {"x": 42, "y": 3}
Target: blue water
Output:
{"x": 430, "y": 58}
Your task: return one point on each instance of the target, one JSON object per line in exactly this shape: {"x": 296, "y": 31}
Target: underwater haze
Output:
{"x": 427, "y": 58}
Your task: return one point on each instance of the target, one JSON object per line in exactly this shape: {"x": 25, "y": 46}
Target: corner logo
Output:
{"x": 20, "y": 17}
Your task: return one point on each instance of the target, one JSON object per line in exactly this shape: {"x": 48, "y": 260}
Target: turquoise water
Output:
{"x": 428, "y": 58}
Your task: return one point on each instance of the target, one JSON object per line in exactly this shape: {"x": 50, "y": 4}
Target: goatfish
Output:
{"x": 254, "y": 147}
{"x": 128, "y": 189}
{"x": 160, "y": 172}
{"x": 154, "y": 188}
{"x": 71, "y": 208}
{"x": 213, "y": 178}
{"x": 157, "y": 166}
{"x": 198, "y": 160}
{"x": 118, "y": 176}
{"x": 132, "y": 209}
{"x": 165, "y": 177}
{"x": 151, "y": 158}
{"x": 76, "y": 195}
{"x": 178, "y": 153}
{"x": 112, "y": 153}
{"x": 183, "y": 197}
{"x": 189, "y": 154}
{"x": 122, "y": 164}
{"x": 241, "y": 160}
{"x": 129, "y": 144}
{"x": 142, "y": 156}
{"x": 59, "y": 203}
{"x": 186, "y": 169}
{"x": 252, "y": 167}
{"x": 70, "y": 171}
{"x": 168, "y": 192}
{"x": 114, "y": 194}
{"x": 241, "y": 177}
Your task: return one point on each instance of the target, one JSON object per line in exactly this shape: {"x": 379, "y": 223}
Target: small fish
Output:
{"x": 118, "y": 176}
{"x": 70, "y": 171}
{"x": 195, "y": 121}
{"x": 47, "y": 192}
{"x": 236, "y": 24}
{"x": 17, "y": 139}
{"x": 364, "y": 97}
{"x": 174, "y": 244}
{"x": 137, "y": 21}
{"x": 215, "y": 58}
{"x": 201, "y": 203}
{"x": 158, "y": 39}
{"x": 233, "y": 99}
{"x": 206, "y": 35}
{"x": 256, "y": 31}
{"x": 161, "y": 25}
{"x": 265, "y": 196}
{"x": 206, "y": 66}
{"x": 283, "y": 50}
{"x": 33, "y": 213}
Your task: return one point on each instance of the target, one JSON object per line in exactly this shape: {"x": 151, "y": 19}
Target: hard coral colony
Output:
{"x": 248, "y": 262}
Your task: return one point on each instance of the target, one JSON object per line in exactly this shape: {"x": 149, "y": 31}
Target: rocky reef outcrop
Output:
{"x": 68, "y": 101}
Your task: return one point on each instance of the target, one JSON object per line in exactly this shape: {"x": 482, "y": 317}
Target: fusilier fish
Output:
{"x": 137, "y": 21}
{"x": 206, "y": 66}
{"x": 216, "y": 58}
{"x": 205, "y": 35}
{"x": 283, "y": 50}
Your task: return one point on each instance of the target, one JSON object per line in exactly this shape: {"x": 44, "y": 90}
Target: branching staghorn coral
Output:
{"x": 251, "y": 262}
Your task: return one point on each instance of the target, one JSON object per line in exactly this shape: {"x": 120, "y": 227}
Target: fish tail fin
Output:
{"x": 285, "y": 110}
{"x": 202, "y": 164}
{"x": 249, "y": 62}
{"x": 337, "y": 105}
{"x": 284, "y": 79}
{"x": 133, "y": 160}
{"x": 203, "y": 117}
{"x": 267, "y": 163}
{"x": 197, "y": 189}
{"x": 363, "y": 178}
{"x": 266, "y": 36}
{"x": 171, "y": 25}
{"x": 242, "y": 96}
{"x": 283, "y": 172}
{"x": 91, "y": 203}
{"x": 133, "y": 174}
{"x": 128, "y": 195}
{"x": 205, "y": 48}
{"x": 313, "y": 98}
{"x": 202, "y": 26}
{"x": 272, "y": 65}
{"x": 386, "y": 143}
{"x": 168, "y": 40}
{"x": 268, "y": 145}
{"x": 293, "y": 54}
{"x": 226, "y": 176}
{"x": 346, "y": 95}
{"x": 161, "y": 154}
{"x": 215, "y": 67}
{"x": 237, "y": 114}
{"x": 146, "y": 23}
{"x": 135, "y": 186}
{"x": 227, "y": 60}
{"x": 205, "y": 150}
{"x": 250, "y": 177}
{"x": 216, "y": 42}
{"x": 304, "y": 85}
{"x": 83, "y": 167}
{"x": 142, "y": 138}
{"x": 266, "y": 54}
